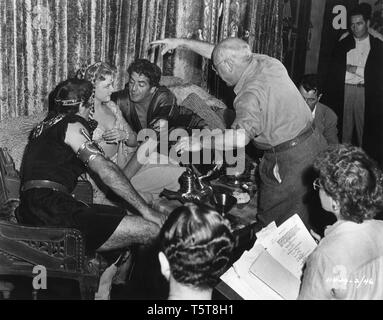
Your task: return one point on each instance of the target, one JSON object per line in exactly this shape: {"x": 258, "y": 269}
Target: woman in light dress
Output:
{"x": 119, "y": 141}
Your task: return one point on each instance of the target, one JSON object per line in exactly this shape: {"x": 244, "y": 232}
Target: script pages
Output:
{"x": 272, "y": 269}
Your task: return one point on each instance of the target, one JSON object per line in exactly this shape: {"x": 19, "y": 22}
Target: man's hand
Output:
{"x": 114, "y": 135}
{"x": 188, "y": 144}
{"x": 350, "y": 68}
{"x": 168, "y": 45}
{"x": 160, "y": 125}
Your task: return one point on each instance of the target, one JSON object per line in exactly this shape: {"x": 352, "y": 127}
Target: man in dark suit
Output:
{"x": 354, "y": 84}
{"x": 324, "y": 118}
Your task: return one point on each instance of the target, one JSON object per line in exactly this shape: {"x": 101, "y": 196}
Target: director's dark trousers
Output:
{"x": 279, "y": 201}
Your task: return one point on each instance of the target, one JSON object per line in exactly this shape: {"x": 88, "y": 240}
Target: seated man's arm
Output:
{"x": 204, "y": 49}
{"x": 330, "y": 127}
{"x": 109, "y": 173}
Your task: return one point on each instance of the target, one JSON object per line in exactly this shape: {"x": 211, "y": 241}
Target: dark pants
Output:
{"x": 295, "y": 194}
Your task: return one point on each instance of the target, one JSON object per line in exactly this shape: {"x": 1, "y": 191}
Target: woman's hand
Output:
{"x": 114, "y": 135}
{"x": 316, "y": 236}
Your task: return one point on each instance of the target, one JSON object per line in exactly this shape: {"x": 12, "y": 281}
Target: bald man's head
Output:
{"x": 234, "y": 48}
{"x": 231, "y": 57}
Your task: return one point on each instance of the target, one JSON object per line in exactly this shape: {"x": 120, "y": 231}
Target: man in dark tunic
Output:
{"x": 57, "y": 154}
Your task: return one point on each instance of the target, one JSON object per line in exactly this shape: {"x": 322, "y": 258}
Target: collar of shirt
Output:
{"x": 242, "y": 79}
{"x": 342, "y": 225}
{"x": 364, "y": 41}
{"x": 362, "y": 46}
{"x": 313, "y": 112}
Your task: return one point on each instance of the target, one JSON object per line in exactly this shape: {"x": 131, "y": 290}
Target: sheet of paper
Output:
{"x": 239, "y": 285}
{"x": 246, "y": 284}
{"x": 265, "y": 232}
{"x": 290, "y": 245}
{"x": 273, "y": 274}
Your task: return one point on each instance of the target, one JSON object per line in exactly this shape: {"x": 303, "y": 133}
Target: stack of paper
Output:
{"x": 272, "y": 269}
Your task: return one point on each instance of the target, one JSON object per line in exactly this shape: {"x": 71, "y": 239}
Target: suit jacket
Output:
{"x": 333, "y": 91}
{"x": 326, "y": 122}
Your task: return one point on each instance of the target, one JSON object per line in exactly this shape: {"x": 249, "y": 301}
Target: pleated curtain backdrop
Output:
{"x": 259, "y": 22}
{"x": 261, "y": 19}
{"x": 45, "y": 41}
{"x": 265, "y": 27}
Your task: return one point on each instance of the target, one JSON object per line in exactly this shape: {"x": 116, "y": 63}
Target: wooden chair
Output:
{"x": 59, "y": 250}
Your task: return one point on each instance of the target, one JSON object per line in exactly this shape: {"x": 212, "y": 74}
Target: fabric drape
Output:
{"x": 259, "y": 22}
{"x": 45, "y": 41}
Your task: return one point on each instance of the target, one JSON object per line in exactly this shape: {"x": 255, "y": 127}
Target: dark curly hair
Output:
{"x": 364, "y": 9}
{"x": 198, "y": 243}
{"x": 148, "y": 69}
{"x": 353, "y": 179}
{"x": 310, "y": 82}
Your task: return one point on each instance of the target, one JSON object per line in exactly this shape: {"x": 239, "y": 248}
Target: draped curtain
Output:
{"x": 45, "y": 41}
{"x": 265, "y": 27}
{"x": 259, "y": 22}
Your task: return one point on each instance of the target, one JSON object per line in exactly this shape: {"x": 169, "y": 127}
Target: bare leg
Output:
{"x": 131, "y": 230}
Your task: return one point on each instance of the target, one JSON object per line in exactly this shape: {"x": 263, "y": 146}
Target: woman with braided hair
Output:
{"x": 195, "y": 249}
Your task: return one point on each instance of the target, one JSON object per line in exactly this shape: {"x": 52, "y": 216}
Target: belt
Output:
{"x": 293, "y": 142}
{"x": 360, "y": 85}
{"x": 46, "y": 184}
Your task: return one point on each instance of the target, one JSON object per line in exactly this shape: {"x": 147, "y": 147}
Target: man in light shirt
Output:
{"x": 354, "y": 81}
{"x": 272, "y": 114}
{"x": 368, "y": 9}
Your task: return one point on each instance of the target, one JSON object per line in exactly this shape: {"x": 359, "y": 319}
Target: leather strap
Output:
{"x": 35, "y": 184}
{"x": 293, "y": 142}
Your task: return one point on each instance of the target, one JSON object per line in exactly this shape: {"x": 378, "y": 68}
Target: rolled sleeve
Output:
{"x": 248, "y": 114}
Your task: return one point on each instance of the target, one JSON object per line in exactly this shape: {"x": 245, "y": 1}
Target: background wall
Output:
{"x": 45, "y": 41}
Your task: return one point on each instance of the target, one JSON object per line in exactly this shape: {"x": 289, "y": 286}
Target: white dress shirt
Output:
{"x": 358, "y": 57}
